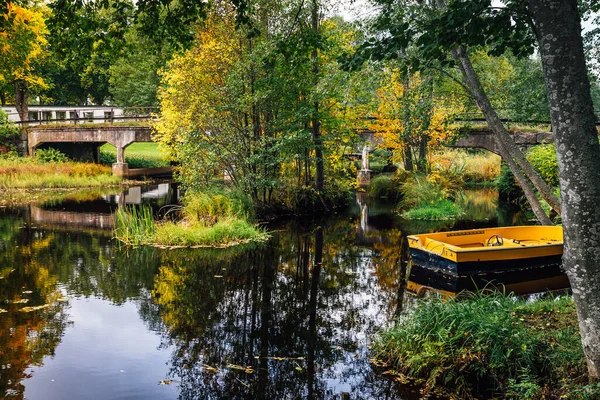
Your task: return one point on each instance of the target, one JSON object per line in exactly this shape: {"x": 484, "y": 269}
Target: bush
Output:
{"x": 441, "y": 210}
{"x": 385, "y": 186}
{"x": 543, "y": 158}
{"x": 209, "y": 207}
{"x": 518, "y": 348}
{"x": 9, "y": 134}
{"x": 50, "y": 155}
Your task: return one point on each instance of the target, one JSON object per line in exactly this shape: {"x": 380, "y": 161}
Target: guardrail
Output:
{"x": 80, "y": 120}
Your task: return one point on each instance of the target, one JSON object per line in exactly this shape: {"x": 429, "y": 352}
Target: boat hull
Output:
{"x": 479, "y": 266}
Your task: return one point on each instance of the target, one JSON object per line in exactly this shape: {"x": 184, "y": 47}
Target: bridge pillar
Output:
{"x": 120, "y": 169}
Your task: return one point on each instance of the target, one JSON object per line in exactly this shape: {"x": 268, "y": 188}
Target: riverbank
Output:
{"x": 30, "y": 173}
{"x": 494, "y": 344}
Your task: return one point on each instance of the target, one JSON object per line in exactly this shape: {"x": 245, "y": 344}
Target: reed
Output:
{"x": 211, "y": 219}
{"x": 135, "y": 226}
{"x": 515, "y": 348}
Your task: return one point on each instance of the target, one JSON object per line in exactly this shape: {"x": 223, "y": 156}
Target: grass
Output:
{"x": 27, "y": 172}
{"x": 441, "y": 210}
{"x": 489, "y": 342}
{"x": 475, "y": 166}
{"x": 210, "y": 219}
{"x": 137, "y": 155}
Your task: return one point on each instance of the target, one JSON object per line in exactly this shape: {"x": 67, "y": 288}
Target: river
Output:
{"x": 83, "y": 318}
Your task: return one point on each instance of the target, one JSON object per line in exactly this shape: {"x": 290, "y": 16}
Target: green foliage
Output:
{"x": 515, "y": 345}
{"x": 441, "y": 210}
{"x": 213, "y": 205}
{"x": 226, "y": 232}
{"x": 543, "y": 158}
{"x": 134, "y": 76}
{"x": 213, "y": 218}
{"x": 385, "y": 186}
{"x": 134, "y": 226}
{"x": 9, "y": 133}
{"x": 50, "y": 155}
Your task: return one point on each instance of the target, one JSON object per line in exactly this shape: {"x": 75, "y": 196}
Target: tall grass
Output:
{"x": 135, "y": 226}
{"x": 475, "y": 166}
{"x": 429, "y": 199}
{"x": 27, "y": 172}
{"x": 213, "y": 218}
{"x": 518, "y": 348}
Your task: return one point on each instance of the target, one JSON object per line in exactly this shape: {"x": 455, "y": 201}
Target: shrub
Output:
{"x": 441, "y": 210}
{"x": 543, "y": 158}
{"x": 385, "y": 186}
{"x": 50, "y": 155}
{"x": 9, "y": 134}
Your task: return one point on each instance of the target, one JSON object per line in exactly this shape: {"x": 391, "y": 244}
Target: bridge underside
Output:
{"x": 118, "y": 136}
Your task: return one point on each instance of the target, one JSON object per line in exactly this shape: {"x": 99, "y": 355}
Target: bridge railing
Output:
{"x": 90, "y": 115}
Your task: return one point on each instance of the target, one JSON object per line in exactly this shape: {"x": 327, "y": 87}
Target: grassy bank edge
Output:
{"x": 137, "y": 227}
{"x": 513, "y": 347}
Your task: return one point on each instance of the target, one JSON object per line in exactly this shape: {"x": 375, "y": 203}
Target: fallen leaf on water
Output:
{"x": 63, "y": 299}
{"x": 209, "y": 368}
{"x": 247, "y": 369}
{"x": 29, "y": 309}
{"x": 218, "y": 276}
{"x": 27, "y": 292}
{"x": 2, "y": 310}
{"x": 21, "y": 301}
{"x": 165, "y": 382}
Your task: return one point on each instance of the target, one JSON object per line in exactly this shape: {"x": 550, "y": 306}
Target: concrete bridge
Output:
{"x": 118, "y": 135}
{"x": 484, "y": 139}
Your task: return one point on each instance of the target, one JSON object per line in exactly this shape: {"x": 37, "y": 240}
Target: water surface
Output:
{"x": 293, "y": 318}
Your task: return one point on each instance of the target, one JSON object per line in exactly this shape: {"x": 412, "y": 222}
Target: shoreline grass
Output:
{"x": 210, "y": 219}
{"x": 28, "y": 173}
{"x": 490, "y": 343}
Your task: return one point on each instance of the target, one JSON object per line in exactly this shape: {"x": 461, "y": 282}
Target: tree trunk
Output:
{"x": 316, "y": 123}
{"x": 508, "y": 149}
{"x": 3, "y": 98}
{"x": 22, "y": 99}
{"x": 558, "y": 28}
{"x": 408, "y": 158}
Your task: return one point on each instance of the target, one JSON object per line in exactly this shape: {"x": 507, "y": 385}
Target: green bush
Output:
{"x": 543, "y": 158}
{"x": 211, "y": 206}
{"x": 50, "y": 155}
{"x": 385, "y": 186}
{"x": 9, "y": 134}
{"x": 518, "y": 348}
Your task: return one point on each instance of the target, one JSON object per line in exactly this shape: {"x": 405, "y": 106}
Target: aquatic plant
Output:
{"x": 215, "y": 218}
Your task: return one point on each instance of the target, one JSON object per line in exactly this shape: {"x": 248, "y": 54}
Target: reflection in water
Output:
{"x": 288, "y": 319}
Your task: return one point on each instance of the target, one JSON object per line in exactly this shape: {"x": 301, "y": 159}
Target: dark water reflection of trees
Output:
{"x": 288, "y": 319}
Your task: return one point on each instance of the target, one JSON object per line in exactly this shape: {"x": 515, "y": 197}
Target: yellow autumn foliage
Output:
{"x": 23, "y": 43}
{"x": 410, "y": 112}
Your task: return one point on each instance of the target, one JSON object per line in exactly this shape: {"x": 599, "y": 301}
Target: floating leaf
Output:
{"x": 29, "y": 309}
{"x": 218, "y": 276}
{"x": 2, "y": 310}
{"x": 21, "y": 301}
{"x": 27, "y": 292}
{"x": 165, "y": 382}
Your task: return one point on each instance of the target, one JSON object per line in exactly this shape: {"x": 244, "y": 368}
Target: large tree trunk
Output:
{"x": 558, "y": 28}
{"x": 22, "y": 99}
{"x": 316, "y": 122}
{"x": 508, "y": 149}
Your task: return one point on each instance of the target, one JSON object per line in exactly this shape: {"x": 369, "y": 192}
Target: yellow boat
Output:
{"x": 490, "y": 250}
